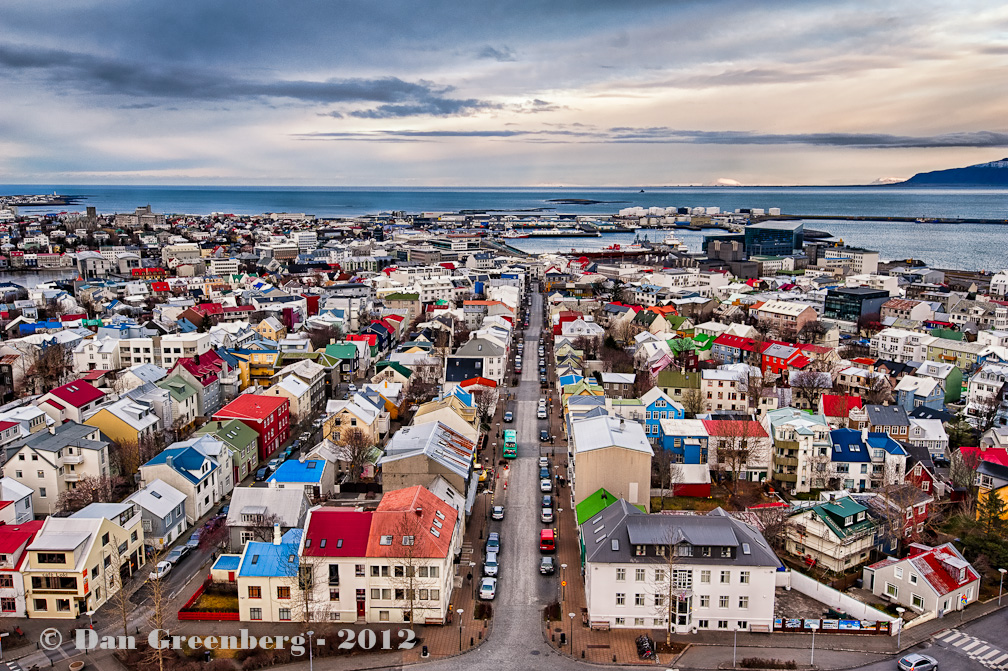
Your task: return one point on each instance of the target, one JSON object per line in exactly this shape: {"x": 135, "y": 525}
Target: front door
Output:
{"x": 360, "y": 603}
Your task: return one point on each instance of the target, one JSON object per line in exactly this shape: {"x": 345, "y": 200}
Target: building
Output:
{"x": 678, "y": 573}
{"x": 612, "y": 454}
{"x": 163, "y": 513}
{"x": 254, "y": 511}
{"x": 190, "y": 472}
{"x": 900, "y": 345}
{"x": 316, "y": 477}
{"x": 836, "y": 535}
{"x": 929, "y": 580}
{"x": 785, "y": 317}
{"x": 241, "y": 439}
{"x": 800, "y": 454}
{"x": 268, "y": 416}
{"x": 477, "y": 358}
{"x": 75, "y": 564}
{"x": 851, "y": 303}
{"x": 774, "y": 238}
{"x": 14, "y": 541}
{"x": 72, "y": 401}
{"x": 267, "y": 576}
{"x": 127, "y": 422}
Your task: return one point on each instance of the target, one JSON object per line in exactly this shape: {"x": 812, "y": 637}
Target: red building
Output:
{"x": 268, "y": 415}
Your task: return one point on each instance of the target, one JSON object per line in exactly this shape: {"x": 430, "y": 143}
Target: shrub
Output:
{"x": 552, "y": 611}
{"x": 761, "y": 663}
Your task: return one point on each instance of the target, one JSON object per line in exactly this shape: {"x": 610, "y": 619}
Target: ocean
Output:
{"x": 967, "y": 246}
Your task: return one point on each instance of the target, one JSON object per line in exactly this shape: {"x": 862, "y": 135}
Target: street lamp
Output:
{"x": 1000, "y": 584}
{"x": 563, "y": 579}
{"x": 899, "y": 634}
{"x": 311, "y": 656}
{"x": 812, "y": 656}
{"x": 734, "y": 646}
{"x": 571, "y": 616}
{"x": 460, "y": 611}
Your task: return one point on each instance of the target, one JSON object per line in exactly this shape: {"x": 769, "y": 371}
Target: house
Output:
{"x": 609, "y": 453}
{"x": 780, "y": 358}
{"x": 50, "y": 462}
{"x": 72, "y": 401}
{"x": 189, "y": 471}
{"x": 75, "y": 564}
{"x": 163, "y": 513}
{"x": 733, "y": 349}
{"x": 657, "y": 405}
{"x": 677, "y": 573}
{"x": 334, "y": 553}
{"x": 929, "y": 580}
{"x": 477, "y": 358}
{"x": 184, "y": 403}
{"x": 271, "y": 329}
{"x": 836, "y": 408}
{"x": 836, "y": 535}
{"x": 268, "y": 586}
{"x": 686, "y": 439}
{"x": 724, "y": 390}
{"x": 127, "y": 422}
{"x": 420, "y": 453}
{"x": 14, "y": 541}
{"x": 913, "y": 392}
{"x": 314, "y": 476}
{"x": 785, "y": 317}
{"x": 618, "y": 385}
{"x": 313, "y": 375}
{"x": 889, "y": 419}
{"x": 254, "y": 510}
{"x": 948, "y": 376}
{"x": 205, "y": 373}
{"x": 357, "y": 412}
{"x": 297, "y": 393}
{"x": 801, "y": 448}
{"x": 15, "y": 502}
{"x": 241, "y": 439}
{"x": 931, "y": 435}
{"x": 96, "y": 354}
{"x": 741, "y": 448}
{"x": 865, "y": 460}
{"x": 268, "y": 416}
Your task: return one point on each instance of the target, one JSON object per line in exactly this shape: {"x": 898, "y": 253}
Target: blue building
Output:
{"x": 686, "y": 439}
{"x": 657, "y": 406}
{"x": 863, "y": 460}
{"x": 914, "y": 392}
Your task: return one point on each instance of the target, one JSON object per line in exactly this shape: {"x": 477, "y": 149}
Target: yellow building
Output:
{"x": 126, "y": 421}
{"x": 271, "y": 329}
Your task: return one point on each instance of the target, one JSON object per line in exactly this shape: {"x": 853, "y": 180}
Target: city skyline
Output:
{"x": 520, "y": 93}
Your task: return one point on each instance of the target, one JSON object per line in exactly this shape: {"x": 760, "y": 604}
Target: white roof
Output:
{"x": 158, "y": 498}
{"x": 601, "y": 432}
{"x": 618, "y": 378}
{"x": 294, "y": 385}
{"x": 918, "y": 385}
{"x": 683, "y": 427}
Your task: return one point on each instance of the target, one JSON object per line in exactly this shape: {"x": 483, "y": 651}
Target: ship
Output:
{"x": 675, "y": 243}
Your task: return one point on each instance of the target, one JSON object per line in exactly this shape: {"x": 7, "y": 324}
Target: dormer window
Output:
{"x": 639, "y": 550}
{"x": 860, "y": 516}
{"x": 848, "y": 520}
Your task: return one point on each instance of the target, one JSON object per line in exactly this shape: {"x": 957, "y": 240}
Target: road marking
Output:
{"x": 990, "y": 655}
{"x": 972, "y": 644}
{"x": 979, "y": 651}
{"x": 949, "y": 636}
{"x": 1001, "y": 659}
{"x": 964, "y": 640}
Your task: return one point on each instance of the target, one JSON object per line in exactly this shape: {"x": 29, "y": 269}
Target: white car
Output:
{"x": 543, "y": 462}
{"x": 490, "y": 566}
{"x": 498, "y": 513}
{"x": 161, "y": 570}
{"x": 541, "y": 413}
{"x": 546, "y": 485}
{"x": 546, "y": 515}
{"x": 488, "y": 589}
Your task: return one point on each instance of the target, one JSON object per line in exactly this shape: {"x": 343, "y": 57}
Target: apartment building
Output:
{"x": 801, "y": 449}
{"x": 785, "y": 317}
{"x": 901, "y": 345}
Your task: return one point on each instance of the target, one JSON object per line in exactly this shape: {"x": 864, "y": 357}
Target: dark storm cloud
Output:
{"x": 65, "y": 69}
{"x": 662, "y": 135}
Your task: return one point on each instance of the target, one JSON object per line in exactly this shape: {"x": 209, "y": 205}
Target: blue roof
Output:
{"x": 184, "y": 460}
{"x": 226, "y": 563}
{"x": 883, "y": 440}
{"x": 569, "y": 379}
{"x": 463, "y": 396}
{"x": 848, "y": 446}
{"x": 293, "y": 470}
{"x": 266, "y": 560}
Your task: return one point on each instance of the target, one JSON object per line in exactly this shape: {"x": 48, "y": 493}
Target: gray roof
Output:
{"x": 602, "y": 432}
{"x": 68, "y": 433}
{"x": 610, "y": 537}
{"x": 478, "y": 347}
{"x": 887, "y": 415}
{"x": 289, "y": 504}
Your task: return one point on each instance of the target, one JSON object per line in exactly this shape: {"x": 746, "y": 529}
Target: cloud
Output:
{"x": 504, "y": 54}
{"x": 664, "y": 135}
{"x": 431, "y": 106}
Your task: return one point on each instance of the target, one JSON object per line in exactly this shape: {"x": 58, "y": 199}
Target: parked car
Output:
{"x": 547, "y": 566}
{"x": 547, "y": 501}
{"x": 543, "y": 436}
{"x": 488, "y": 589}
{"x": 490, "y": 565}
{"x": 518, "y": 368}
{"x": 547, "y": 541}
{"x": 161, "y": 570}
{"x": 917, "y": 662}
{"x": 493, "y": 542}
{"x": 543, "y": 461}
{"x": 262, "y": 474}
{"x": 508, "y": 416}
{"x": 541, "y": 413}
{"x": 544, "y": 472}
{"x": 177, "y": 554}
{"x": 546, "y": 485}
{"x": 352, "y": 388}
{"x": 546, "y": 515}
{"x": 497, "y": 513}
{"x": 193, "y": 541}
{"x": 274, "y": 463}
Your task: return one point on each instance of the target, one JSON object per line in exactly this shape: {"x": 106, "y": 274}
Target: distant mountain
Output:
{"x": 994, "y": 173}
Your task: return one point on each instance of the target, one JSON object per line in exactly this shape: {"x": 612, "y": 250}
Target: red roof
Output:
{"x": 734, "y": 427}
{"x": 95, "y": 374}
{"x": 431, "y": 520}
{"x": 210, "y": 308}
{"x": 482, "y": 381}
{"x": 337, "y": 532}
{"x": 6, "y": 424}
{"x": 15, "y": 536}
{"x": 73, "y": 318}
{"x": 995, "y": 455}
{"x": 238, "y": 308}
{"x": 864, "y": 361}
{"x": 930, "y": 565}
{"x": 838, "y": 405}
{"x": 160, "y": 286}
{"x": 255, "y": 407}
{"x": 747, "y": 344}
{"x": 369, "y": 338}
{"x": 206, "y": 371}
{"x": 78, "y": 393}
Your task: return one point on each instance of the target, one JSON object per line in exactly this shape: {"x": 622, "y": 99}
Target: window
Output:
{"x": 638, "y": 600}
{"x": 722, "y": 602}
{"x": 639, "y": 575}
{"x": 383, "y": 616}
{"x": 744, "y": 577}
{"x": 620, "y": 599}
{"x": 913, "y": 578}
{"x": 254, "y": 592}
{"x": 725, "y": 577}
{"x": 621, "y": 574}
{"x": 703, "y": 624}
{"x": 918, "y": 601}
{"x": 52, "y": 558}
{"x": 6, "y": 581}
{"x": 899, "y": 573}
{"x": 705, "y": 577}
{"x": 683, "y": 579}
{"x": 742, "y": 624}
{"x": 743, "y": 602}
{"x": 42, "y": 492}
{"x": 638, "y": 622}
{"x": 283, "y": 592}
{"x": 285, "y": 614}
{"x": 333, "y": 594}
{"x": 620, "y": 620}
{"x": 722, "y": 624}
{"x": 8, "y": 604}
{"x": 359, "y": 570}
{"x": 255, "y": 613}
{"x": 891, "y": 590}
{"x": 375, "y": 593}
{"x": 659, "y": 599}
{"x": 41, "y": 605}
{"x": 659, "y": 575}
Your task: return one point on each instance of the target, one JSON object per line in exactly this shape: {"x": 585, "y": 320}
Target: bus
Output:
{"x": 510, "y": 443}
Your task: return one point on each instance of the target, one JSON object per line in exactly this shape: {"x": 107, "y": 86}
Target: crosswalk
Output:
{"x": 14, "y": 666}
{"x": 976, "y": 649}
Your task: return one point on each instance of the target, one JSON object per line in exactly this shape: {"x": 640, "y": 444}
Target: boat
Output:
{"x": 675, "y": 243}
{"x": 514, "y": 235}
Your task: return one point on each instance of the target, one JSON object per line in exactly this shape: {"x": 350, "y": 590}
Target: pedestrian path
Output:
{"x": 976, "y": 649}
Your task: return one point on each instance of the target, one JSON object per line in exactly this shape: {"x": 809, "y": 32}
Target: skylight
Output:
{"x": 322, "y": 543}
{"x": 440, "y": 515}
{"x": 156, "y": 495}
{"x": 746, "y": 549}
{"x": 615, "y": 544}
{"x": 255, "y": 559}
{"x": 437, "y": 534}
{"x": 407, "y": 540}
{"x": 339, "y": 543}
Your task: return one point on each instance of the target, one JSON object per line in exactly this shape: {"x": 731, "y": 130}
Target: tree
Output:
{"x": 158, "y": 618}
{"x": 811, "y": 385}
{"x": 737, "y": 446}
{"x": 485, "y": 402}
{"x": 869, "y": 324}
{"x": 752, "y": 383}
{"x": 812, "y": 332}
{"x": 90, "y": 489}
{"x": 670, "y": 585}
{"x": 775, "y": 522}
{"x": 666, "y": 474}
{"x": 129, "y": 455}
{"x": 50, "y": 367}
{"x": 985, "y": 410}
{"x": 357, "y": 450}
{"x": 876, "y": 389}
{"x": 114, "y": 583}
{"x": 644, "y": 381}
{"x": 424, "y": 381}
{"x": 693, "y": 402}
{"x": 616, "y": 360}
{"x": 991, "y": 512}
{"x": 324, "y": 335}
{"x": 409, "y": 549}
{"x": 587, "y": 344}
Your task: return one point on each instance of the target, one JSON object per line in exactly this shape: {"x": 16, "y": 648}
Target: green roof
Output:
{"x": 595, "y": 504}
{"x": 839, "y": 509}
{"x": 402, "y": 297}
{"x": 233, "y": 433}
{"x": 675, "y": 379}
{"x": 179, "y": 389}
{"x": 394, "y": 365}
{"x": 342, "y": 351}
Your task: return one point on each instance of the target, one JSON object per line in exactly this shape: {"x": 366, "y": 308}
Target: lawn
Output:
{"x": 686, "y": 503}
{"x": 216, "y": 602}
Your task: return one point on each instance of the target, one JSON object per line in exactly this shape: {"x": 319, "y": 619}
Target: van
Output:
{"x": 547, "y": 541}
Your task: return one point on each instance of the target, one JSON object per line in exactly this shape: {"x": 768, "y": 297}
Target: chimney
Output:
{"x": 864, "y": 434}
{"x": 276, "y": 533}
{"x": 418, "y": 510}
{"x": 170, "y": 461}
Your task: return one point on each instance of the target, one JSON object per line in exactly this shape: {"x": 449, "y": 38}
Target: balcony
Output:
{"x": 71, "y": 477}
{"x": 786, "y": 477}
{"x": 786, "y": 461}
{"x": 73, "y": 459}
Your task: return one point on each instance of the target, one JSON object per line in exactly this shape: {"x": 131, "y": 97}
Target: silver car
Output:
{"x": 491, "y": 565}
{"x": 917, "y": 662}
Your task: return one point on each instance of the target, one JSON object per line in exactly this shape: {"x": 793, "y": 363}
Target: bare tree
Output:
{"x": 810, "y": 385}
{"x": 128, "y": 456}
{"x": 775, "y": 521}
{"x": 587, "y": 344}
{"x": 324, "y": 335}
{"x": 357, "y": 451}
{"x": 985, "y": 411}
{"x": 409, "y": 549}
{"x": 869, "y": 324}
{"x": 485, "y": 402}
{"x": 644, "y": 381}
{"x": 752, "y": 383}
{"x": 812, "y": 332}
{"x": 158, "y": 618}
{"x": 260, "y": 527}
{"x": 666, "y": 474}
{"x": 693, "y": 402}
{"x": 424, "y": 381}
{"x": 114, "y": 584}
{"x": 670, "y": 585}
{"x": 737, "y": 447}
{"x": 90, "y": 489}
{"x": 50, "y": 367}
{"x": 876, "y": 390}
{"x": 962, "y": 473}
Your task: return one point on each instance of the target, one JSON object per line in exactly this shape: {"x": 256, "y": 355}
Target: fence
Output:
{"x": 836, "y": 600}
{"x": 201, "y": 615}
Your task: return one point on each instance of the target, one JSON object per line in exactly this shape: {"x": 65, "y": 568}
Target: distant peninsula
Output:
{"x": 993, "y": 174}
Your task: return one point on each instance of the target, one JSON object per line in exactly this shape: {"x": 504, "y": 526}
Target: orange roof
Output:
{"x": 416, "y": 512}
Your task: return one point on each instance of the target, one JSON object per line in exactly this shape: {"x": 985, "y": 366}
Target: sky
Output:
{"x": 519, "y": 93}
